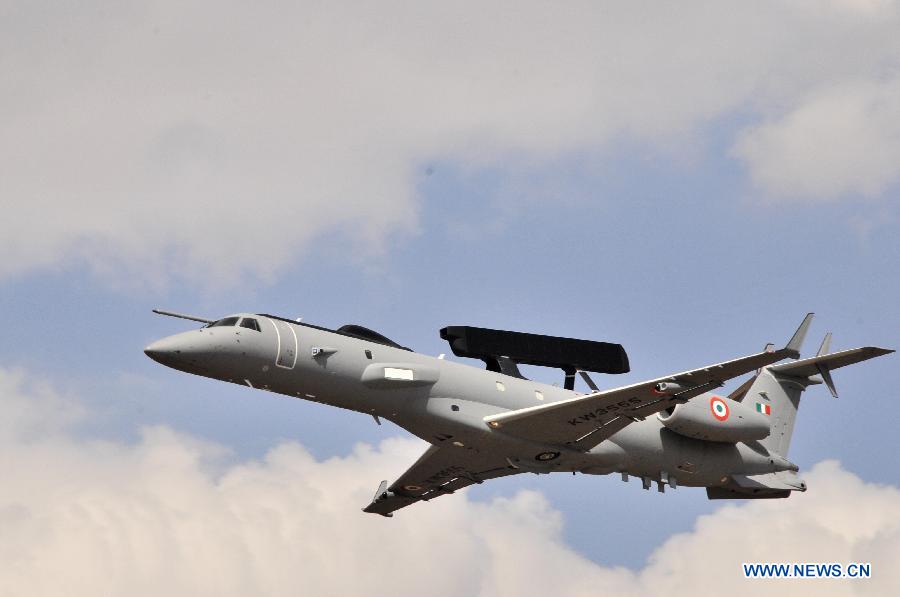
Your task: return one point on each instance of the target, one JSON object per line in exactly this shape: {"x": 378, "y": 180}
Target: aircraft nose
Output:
{"x": 165, "y": 351}
{"x": 188, "y": 351}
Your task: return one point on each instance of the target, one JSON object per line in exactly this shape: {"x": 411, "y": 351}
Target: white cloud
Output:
{"x": 845, "y": 140}
{"x": 174, "y": 515}
{"x": 212, "y": 140}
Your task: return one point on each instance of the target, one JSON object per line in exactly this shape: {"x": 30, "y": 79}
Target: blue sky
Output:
{"x": 692, "y": 221}
{"x": 656, "y": 259}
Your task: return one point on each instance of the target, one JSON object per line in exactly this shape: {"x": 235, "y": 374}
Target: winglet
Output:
{"x": 796, "y": 341}
{"x": 381, "y": 492}
{"x": 826, "y": 345}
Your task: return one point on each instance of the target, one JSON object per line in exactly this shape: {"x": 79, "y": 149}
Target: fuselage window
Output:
{"x": 228, "y": 321}
{"x": 250, "y": 324}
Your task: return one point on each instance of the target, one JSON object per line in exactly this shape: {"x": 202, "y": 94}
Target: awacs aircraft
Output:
{"x": 488, "y": 423}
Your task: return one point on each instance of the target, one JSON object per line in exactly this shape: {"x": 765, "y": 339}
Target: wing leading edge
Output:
{"x": 585, "y": 421}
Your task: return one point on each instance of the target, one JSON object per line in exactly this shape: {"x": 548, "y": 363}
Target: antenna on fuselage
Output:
{"x": 183, "y": 316}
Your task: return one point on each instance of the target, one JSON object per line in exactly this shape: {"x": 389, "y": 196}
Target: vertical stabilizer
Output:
{"x": 777, "y": 397}
{"x": 776, "y": 391}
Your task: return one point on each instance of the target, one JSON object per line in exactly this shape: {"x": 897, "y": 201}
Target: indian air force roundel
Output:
{"x": 719, "y": 408}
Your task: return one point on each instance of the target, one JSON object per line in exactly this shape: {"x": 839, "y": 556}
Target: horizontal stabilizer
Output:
{"x": 809, "y": 367}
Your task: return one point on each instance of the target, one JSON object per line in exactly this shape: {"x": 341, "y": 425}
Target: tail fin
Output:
{"x": 779, "y": 398}
{"x": 776, "y": 389}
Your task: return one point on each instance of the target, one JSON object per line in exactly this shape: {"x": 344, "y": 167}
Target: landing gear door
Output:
{"x": 286, "y": 336}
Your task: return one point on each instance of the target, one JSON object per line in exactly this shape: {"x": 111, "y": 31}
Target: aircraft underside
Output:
{"x": 482, "y": 424}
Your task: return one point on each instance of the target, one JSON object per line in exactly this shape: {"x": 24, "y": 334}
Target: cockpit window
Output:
{"x": 227, "y": 322}
{"x": 250, "y": 324}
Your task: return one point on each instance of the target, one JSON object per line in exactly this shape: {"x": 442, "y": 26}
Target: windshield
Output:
{"x": 250, "y": 324}
{"x": 228, "y": 321}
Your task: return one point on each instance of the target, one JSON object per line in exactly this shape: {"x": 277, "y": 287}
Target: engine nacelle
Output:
{"x": 716, "y": 419}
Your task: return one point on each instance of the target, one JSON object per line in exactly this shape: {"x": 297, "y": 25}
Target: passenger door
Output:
{"x": 287, "y": 344}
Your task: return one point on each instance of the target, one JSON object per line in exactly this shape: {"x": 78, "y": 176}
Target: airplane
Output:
{"x": 488, "y": 423}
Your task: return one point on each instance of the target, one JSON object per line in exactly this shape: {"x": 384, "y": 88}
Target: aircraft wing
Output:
{"x": 439, "y": 471}
{"x": 814, "y": 365}
{"x": 585, "y": 421}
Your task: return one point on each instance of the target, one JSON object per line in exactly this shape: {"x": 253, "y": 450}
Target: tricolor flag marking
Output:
{"x": 763, "y": 408}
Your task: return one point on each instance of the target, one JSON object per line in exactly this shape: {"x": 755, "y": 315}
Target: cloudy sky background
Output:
{"x": 686, "y": 180}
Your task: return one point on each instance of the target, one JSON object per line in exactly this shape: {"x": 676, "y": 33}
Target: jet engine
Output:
{"x": 716, "y": 419}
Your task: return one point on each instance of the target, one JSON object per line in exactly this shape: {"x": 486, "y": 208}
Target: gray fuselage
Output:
{"x": 440, "y": 401}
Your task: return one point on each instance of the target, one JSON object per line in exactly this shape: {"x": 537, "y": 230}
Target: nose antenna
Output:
{"x": 183, "y": 316}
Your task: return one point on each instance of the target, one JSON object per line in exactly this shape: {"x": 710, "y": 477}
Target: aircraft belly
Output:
{"x": 456, "y": 423}
{"x": 605, "y": 458}
{"x": 440, "y": 419}
{"x": 651, "y": 449}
